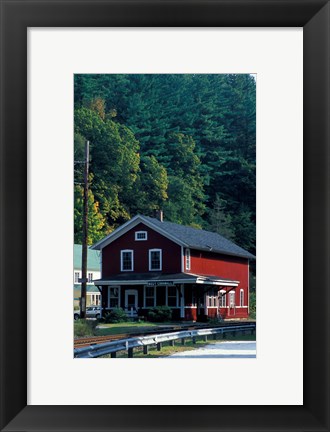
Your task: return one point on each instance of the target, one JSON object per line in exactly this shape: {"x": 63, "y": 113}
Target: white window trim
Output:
{"x": 188, "y": 259}
{"x": 160, "y": 259}
{"x": 241, "y": 303}
{"x": 232, "y": 296}
{"x": 224, "y": 297}
{"x": 76, "y": 273}
{"x": 144, "y": 297}
{"x": 119, "y": 295}
{"x": 121, "y": 259}
{"x": 140, "y": 232}
{"x": 214, "y": 298}
{"x": 177, "y": 297}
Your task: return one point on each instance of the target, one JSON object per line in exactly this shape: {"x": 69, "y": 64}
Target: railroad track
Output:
{"x": 81, "y": 342}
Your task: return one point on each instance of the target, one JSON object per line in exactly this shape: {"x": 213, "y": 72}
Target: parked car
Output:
{"x": 91, "y": 312}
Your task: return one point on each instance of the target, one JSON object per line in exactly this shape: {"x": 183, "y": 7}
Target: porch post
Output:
{"x": 101, "y": 306}
{"x": 205, "y": 303}
{"x": 182, "y": 301}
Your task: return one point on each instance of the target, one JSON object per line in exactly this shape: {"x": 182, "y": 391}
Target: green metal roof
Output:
{"x": 89, "y": 288}
{"x": 93, "y": 259}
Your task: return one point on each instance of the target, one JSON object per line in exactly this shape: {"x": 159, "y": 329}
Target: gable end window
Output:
{"x": 155, "y": 259}
{"x": 141, "y": 235}
{"x": 187, "y": 259}
{"x": 126, "y": 260}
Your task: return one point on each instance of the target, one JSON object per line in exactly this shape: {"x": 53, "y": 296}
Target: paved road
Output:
{"x": 230, "y": 349}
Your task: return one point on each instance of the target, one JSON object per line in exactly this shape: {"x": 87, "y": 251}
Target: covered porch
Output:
{"x": 191, "y": 297}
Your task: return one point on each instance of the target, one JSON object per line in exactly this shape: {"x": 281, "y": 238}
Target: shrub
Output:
{"x": 215, "y": 320}
{"x": 117, "y": 315}
{"x": 252, "y": 303}
{"x": 84, "y": 328}
{"x": 159, "y": 314}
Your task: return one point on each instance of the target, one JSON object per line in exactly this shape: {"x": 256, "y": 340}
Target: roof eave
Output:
{"x": 247, "y": 256}
{"x": 129, "y": 225}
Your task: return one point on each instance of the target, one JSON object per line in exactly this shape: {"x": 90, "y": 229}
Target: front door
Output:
{"x": 131, "y": 301}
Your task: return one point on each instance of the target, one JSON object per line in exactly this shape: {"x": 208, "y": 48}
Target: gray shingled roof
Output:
{"x": 201, "y": 239}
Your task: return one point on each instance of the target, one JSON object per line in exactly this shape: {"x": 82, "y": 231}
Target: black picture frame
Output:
{"x": 16, "y": 17}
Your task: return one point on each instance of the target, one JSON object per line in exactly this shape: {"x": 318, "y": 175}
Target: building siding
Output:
{"x": 227, "y": 267}
{"x": 201, "y": 263}
{"x": 171, "y": 252}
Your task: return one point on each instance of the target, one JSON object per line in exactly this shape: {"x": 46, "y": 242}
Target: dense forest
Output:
{"x": 182, "y": 143}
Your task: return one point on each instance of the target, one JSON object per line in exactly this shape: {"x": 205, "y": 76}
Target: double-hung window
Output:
{"x": 172, "y": 296}
{"x": 113, "y": 297}
{"x": 241, "y": 297}
{"x": 213, "y": 293}
{"x": 76, "y": 277}
{"x": 150, "y": 298}
{"x": 155, "y": 259}
{"x": 187, "y": 259}
{"x": 222, "y": 299}
{"x": 90, "y": 277}
{"x": 232, "y": 299}
{"x": 126, "y": 260}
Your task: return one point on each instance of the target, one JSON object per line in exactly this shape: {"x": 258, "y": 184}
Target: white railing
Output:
{"x": 128, "y": 345}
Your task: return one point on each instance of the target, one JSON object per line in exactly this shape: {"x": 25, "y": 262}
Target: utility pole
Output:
{"x": 85, "y": 235}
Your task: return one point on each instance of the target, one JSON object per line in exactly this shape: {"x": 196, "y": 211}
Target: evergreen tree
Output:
{"x": 186, "y": 142}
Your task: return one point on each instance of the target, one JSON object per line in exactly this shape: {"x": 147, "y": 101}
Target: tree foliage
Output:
{"x": 184, "y": 143}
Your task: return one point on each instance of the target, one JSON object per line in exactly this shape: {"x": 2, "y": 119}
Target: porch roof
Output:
{"x": 162, "y": 279}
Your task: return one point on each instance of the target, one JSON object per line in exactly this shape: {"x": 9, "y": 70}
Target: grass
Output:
{"x": 115, "y": 328}
{"x": 84, "y": 328}
{"x": 125, "y": 327}
{"x": 178, "y": 347}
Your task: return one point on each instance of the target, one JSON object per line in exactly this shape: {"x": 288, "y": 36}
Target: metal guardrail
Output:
{"x": 128, "y": 345}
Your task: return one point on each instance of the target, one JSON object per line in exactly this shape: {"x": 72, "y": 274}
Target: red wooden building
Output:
{"x": 149, "y": 262}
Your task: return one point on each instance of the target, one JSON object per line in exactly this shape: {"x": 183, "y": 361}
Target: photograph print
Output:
{"x": 164, "y": 216}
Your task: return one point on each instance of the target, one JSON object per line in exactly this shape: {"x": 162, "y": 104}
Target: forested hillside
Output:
{"x": 182, "y": 143}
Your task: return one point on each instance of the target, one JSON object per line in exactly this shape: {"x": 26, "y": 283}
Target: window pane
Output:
{"x": 150, "y": 301}
{"x": 150, "y": 291}
{"x": 114, "y": 292}
{"x": 141, "y": 235}
{"x": 187, "y": 259}
{"x": 171, "y": 301}
{"x": 155, "y": 260}
{"x": 223, "y": 299}
{"x": 113, "y": 302}
{"x": 127, "y": 260}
